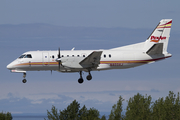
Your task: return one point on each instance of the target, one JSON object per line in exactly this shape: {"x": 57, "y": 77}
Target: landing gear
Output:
{"x": 24, "y": 80}
{"x": 89, "y": 77}
{"x": 24, "y": 76}
{"x": 80, "y": 80}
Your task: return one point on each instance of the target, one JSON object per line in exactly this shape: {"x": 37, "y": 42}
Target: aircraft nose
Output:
{"x": 9, "y": 66}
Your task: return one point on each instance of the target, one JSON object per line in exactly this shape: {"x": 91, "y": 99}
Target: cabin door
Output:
{"x": 45, "y": 58}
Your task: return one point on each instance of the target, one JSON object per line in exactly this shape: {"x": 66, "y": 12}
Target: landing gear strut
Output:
{"x": 24, "y": 76}
{"x": 89, "y": 77}
{"x": 80, "y": 80}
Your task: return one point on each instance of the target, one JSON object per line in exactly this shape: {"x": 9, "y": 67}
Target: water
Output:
{"x": 29, "y": 117}
{"x": 40, "y": 116}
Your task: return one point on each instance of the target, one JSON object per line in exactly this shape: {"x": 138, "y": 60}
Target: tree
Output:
{"x": 93, "y": 114}
{"x": 139, "y": 108}
{"x": 73, "y": 112}
{"x": 103, "y": 117}
{"x": 116, "y": 112}
{"x": 83, "y": 113}
{"x": 5, "y": 116}
{"x": 53, "y": 114}
{"x": 168, "y": 108}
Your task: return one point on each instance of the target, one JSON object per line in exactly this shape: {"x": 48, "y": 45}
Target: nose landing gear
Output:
{"x": 24, "y": 76}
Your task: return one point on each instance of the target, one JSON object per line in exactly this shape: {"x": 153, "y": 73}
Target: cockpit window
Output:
{"x": 21, "y": 56}
{"x": 25, "y": 56}
{"x": 28, "y": 56}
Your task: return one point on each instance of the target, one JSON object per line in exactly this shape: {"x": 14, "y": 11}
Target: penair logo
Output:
{"x": 156, "y": 39}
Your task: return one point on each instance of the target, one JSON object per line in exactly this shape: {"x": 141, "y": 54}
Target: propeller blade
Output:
{"x": 59, "y": 55}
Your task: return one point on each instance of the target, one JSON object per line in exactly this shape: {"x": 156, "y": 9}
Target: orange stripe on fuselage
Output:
{"x": 109, "y": 62}
{"x": 38, "y": 63}
{"x": 101, "y": 62}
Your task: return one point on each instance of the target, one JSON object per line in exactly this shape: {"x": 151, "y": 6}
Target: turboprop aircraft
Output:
{"x": 151, "y": 50}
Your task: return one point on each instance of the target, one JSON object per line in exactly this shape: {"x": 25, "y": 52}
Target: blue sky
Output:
{"x": 46, "y": 25}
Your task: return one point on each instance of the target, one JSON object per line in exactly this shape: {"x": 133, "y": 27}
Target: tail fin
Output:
{"x": 157, "y": 42}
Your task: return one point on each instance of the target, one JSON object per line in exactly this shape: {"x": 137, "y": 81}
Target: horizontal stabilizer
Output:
{"x": 155, "y": 49}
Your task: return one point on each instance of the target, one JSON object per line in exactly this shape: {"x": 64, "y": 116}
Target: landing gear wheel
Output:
{"x": 89, "y": 77}
{"x": 24, "y": 80}
{"x": 80, "y": 80}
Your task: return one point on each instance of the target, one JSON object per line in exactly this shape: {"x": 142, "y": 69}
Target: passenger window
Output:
{"x": 62, "y": 56}
{"x": 110, "y": 55}
{"x": 77, "y": 55}
{"x": 67, "y": 55}
{"x": 84, "y": 56}
{"x": 72, "y": 55}
{"x": 53, "y": 56}
{"x": 104, "y": 56}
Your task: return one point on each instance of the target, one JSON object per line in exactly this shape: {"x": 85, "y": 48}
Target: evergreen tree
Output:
{"x": 93, "y": 114}
{"x": 116, "y": 112}
{"x": 103, "y": 117}
{"x": 138, "y": 108}
{"x": 73, "y": 112}
{"x": 83, "y": 112}
{"x": 5, "y": 116}
{"x": 168, "y": 108}
{"x": 53, "y": 114}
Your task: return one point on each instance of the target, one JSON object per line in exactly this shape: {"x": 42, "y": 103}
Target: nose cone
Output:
{"x": 12, "y": 65}
{"x": 9, "y": 66}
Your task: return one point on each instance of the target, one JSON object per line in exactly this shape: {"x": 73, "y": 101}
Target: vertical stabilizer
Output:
{"x": 161, "y": 35}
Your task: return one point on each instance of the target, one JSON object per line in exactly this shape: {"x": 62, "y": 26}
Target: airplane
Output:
{"x": 149, "y": 51}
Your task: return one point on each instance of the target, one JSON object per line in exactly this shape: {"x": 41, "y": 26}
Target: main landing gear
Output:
{"x": 80, "y": 80}
{"x": 89, "y": 77}
{"x": 24, "y": 76}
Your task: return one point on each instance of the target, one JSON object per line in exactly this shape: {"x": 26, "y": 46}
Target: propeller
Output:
{"x": 59, "y": 58}
{"x": 59, "y": 55}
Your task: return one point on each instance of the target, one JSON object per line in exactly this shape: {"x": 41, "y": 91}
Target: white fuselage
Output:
{"x": 110, "y": 59}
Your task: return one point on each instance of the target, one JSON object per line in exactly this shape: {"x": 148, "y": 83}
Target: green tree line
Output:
{"x": 139, "y": 108}
{"x": 5, "y": 116}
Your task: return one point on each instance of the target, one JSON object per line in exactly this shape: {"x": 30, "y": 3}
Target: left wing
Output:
{"x": 92, "y": 60}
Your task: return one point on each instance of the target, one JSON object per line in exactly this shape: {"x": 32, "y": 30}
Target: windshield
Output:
{"x": 28, "y": 56}
{"x": 21, "y": 56}
{"x": 25, "y": 56}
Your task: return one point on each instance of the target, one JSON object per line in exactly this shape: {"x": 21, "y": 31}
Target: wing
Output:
{"x": 92, "y": 60}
